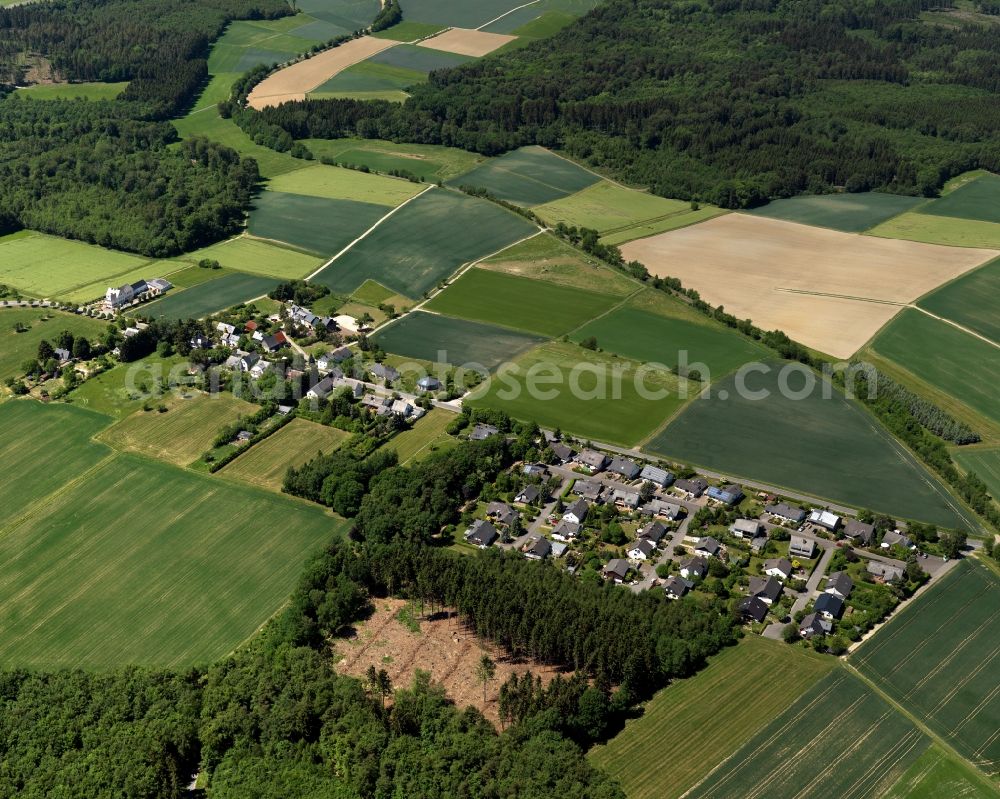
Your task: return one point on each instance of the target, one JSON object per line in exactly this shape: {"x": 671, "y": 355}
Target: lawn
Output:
{"x": 369, "y": 76}
{"x": 955, "y": 362}
{"x": 851, "y": 213}
{"x": 72, "y": 91}
{"x": 702, "y": 720}
{"x": 425, "y": 336}
{"x": 265, "y": 464}
{"x": 211, "y": 297}
{"x": 427, "y": 436}
{"x": 528, "y": 176}
{"x": 247, "y": 255}
{"x": 335, "y": 183}
{"x": 584, "y": 393}
{"x": 978, "y": 199}
{"x": 424, "y": 242}
{"x": 940, "y": 230}
{"x": 971, "y": 300}
{"x": 645, "y": 336}
{"x": 51, "y": 267}
{"x": 182, "y": 433}
{"x": 519, "y": 302}
{"x": 938, "y": 659}
{"x": 321, "y": 226}
{"x": 43, "y": 324}
{"x": 428, "y": 161}
{"x": 830, "y": 448}
{"x": 838, "y": 740}
{"x": 985, "y": 462}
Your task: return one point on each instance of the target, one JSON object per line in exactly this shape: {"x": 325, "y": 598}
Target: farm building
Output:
{"x": 123, "y": 296}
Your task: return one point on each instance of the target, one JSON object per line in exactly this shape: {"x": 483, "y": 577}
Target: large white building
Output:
{"x": 123, "y": 296}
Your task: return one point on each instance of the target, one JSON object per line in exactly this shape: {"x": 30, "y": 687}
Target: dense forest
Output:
{"x": 103, "y": 172}
{"x": 729, "y": 101}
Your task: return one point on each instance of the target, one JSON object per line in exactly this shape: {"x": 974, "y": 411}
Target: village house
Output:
{"x": 123, "y": 296}
{"x": 535, "y": 470}
{"x": 565, "y": 531}
{"x": 676, "y": 587}
{"x": 537, "y": 548}
{"x": 275, "y": 342}
{"x": 626, "y": 468}
{"x": 661, "y": 478}
{"x": 778, "y": 567}
{"x": 786, "y": 513}
{"x": 693, "y": 488}
{"x": 662, "y": 509}
{"x": 577, "y": 512}
{"x": 753, "y": 609}
{"x": 625, "y": 499}
{"x": 885, "y": 572}
{"x": 428, "y": 383}
{"x": 766, "y": 589}
{"x": 825, "y": 519}
{"x": 829, "y": 606}
{"x": 382, "y": 372}
{"x": 248, "y": 361}
{"x": 592, "y": 459}
{"x": 329, "y": 360}
{"x": 814, "y": 624}
{"x": 839, "y": 584}
{"x": 482, "y": 534}
{"x": 589, "y": 489}
{"x": 861, "y": 532}
{"x": 694, "y": 568}
{"x": 707, "y": 547}
{"x": 726, "y": 494}
{"x": 758, "y": 543}
{"x": 563, "y": 453}
{"x": 642, "y": 549}
{"x": 654, "y": 531}
{"x": 501, "y": 513}
{"x": 483, "y": 431}
{"x": 617, "y": 570}
{"x": 800, "y": 547}
{"x": 746, "y": 528}
{"x": 527, "y": 495}
{"x": 897, "y": 539}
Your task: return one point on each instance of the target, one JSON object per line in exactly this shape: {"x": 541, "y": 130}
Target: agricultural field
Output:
{"x": 977, "y": 199}
{"x": 544, "y": 257}
{"x": 459, "y": 15}
{"x": 427, "y": 161}
{"x": 180, "y": 434}
{"x": 320, "y": 226}
{"x": 42, "y": 324}
{"x": 937, "y": 660}
{"x": 621, "y": 214}
{"x": 428, "y": 435}
{"x": 125, "y": 388}
{"x": 838, "y": 740}
{"x": 418, "y": 59}
{"x": 529, "y": 176}
{"x": 850, "y": 213}
{"x": 334, "y": 183}
{"x": 409, "y": 31}
{"x": 519, "y": 302}
{"x": 984, "y": 461}
{"x": 425, "y": 242}
{"x": 71, "y": 91}
{"x": 953, "y": 361}
{"x": 931, "y": 229}
{"x": 463, "y": 41}
{"x": 246, "y": 256}
{"x": 646, "y": 336}
{"x": 830, "y": 448}
{"x": 541, "y": 19}
{"x": 50, "y": 267}
{"x": 936, "y": 774}
{"x": 423, "y": 336}
{"x": 265, "y": 464}
{"x": 853, "y": 284}
{"x": 211, "y": 297}
{"x": 367, "y": 79}
{"x": 702, "y": 720}
{"x": 587, "y": 394}
{"x": 972, "y": 301}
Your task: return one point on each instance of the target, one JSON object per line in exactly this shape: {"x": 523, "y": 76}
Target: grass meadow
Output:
{"x": 418, "y": 59}
{"x": 245, "y": 256}
{"x": 936, "y": 774}
{"x": 336, "y": 183}
{"x": 210, "y": 297}
{"x": 424, "y": 335}
{"x": 971, "y": 300}
{"x": 427, "y": 436}
{"x": 955, "y": 362}
{"x": 72, "y": 91}
{"x": 534, "y": 306}
{"x": 428, "y": 161}
{"x": 120, "y": 391}
{"x": 932, "y": 229}
{"x": 938, "y": 659}
{"x": 43, "y": 325}
{"x": 425, "y": 242}
{"x": 698, "y": 722}
{"x": 984, "y": 461}
{"x": 369, "y": 76}
{"x": 265, "y": 464}
{"x": 977, "y": 199}
{"x": 830, "y": 448}
{"x": 850, "y": 213}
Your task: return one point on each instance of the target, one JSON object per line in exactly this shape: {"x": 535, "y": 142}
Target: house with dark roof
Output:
{"x": 694, "y": 567}
{"x": 885, "y": 572}
{"x": 483, "y": 431}
{"x": 861, "y": 532}
{"x": 382, "y": 372}
{"x": 275, "y": 342}
{"x": 839, "y": 584}
{"x": 766, "y": 589}
{"x": 758, "y": 543}
{"x": 676, "y": 587}
{"x": 726, "y": 494}
{"x": 592, "y": 459}
{"x": 654, "y": 531}
{"x": 897, "y": 539}
{"x": 502, "y": 513}
{"x": 330, "y": 359}
{"x": 752, "y": 609}
{"x": 657, "y": 476}
{"x": 482, "y": 534}
{"x": 642, "y": 549}
{"x": 577, "y": 512}
{"x": 428, "y": 383}
{"x": 663, "y": 509}
{"x": 786, "y": 512}
{"x": 527, "y": 495}
{"x": 814, "y": 624}
{"x": 829, "y": 606}
{"x": 625, "y": 499}
{"x": 535, "y": 470}
{"x": 589, "y": 489}
{"x": 565, "y": 531}
{"x": 707, "y": 547}
{"x": 778, "y": 567}
{"x": 537, "y": 548}
{"x": 617, "y": 569}
{"x": 800, "y": 547}
{"x": 322, "y": 389}
{"x": 563, "y": 453}
{"x": 692, "y": 488}
{"x": 746, "y": 528}
{"x": 628, "y": 469}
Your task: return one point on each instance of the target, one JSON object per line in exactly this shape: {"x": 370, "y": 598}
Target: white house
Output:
{"x": 642, "y": 549}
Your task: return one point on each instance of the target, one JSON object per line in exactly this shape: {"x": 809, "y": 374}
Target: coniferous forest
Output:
{"x": 726, "y": 101}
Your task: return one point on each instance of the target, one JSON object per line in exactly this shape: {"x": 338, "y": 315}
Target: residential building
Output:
{"x": 657, "y": 476}
{"x": 707, "y": 547}
{"x": 766, "y": 589}
{"x": 617, "y": 569}
{"x": 825, "y": 519}
{"x": 642, "y": 549}
{"x": 800, "y": 547}
{"x": 839, "y": 584}
{"x": 885, "y": 572}
{"x": 694, "y": 567}
{"x": 625, "y": 499}
{"x": 778, "y": 567}
{"x": 693, "y": 488}
{"x": 527, "y": 495}
{"x": 275, "y": 342}
{"x": 592, "y": 459}
{"x": 894, "y": 538}
{"x": 861, "y": 532}
{"x": 538, "y": 549}
{"x": 329, "y": 360}
{"x": 483, "y": 431}
{"x": 248, "y": 361}
{"x": 758, "y": 543}
{"x": 786, "y": 513}
{"x": 746, "y": 528}
{"x": 382, "y": 372}
{"x": 589, "y": 489}
{"x": 558, "y": 549}
{"x": 481, "y": 533}
{"x": 123, "y": 296}
{"x": 814, "y": 624}
{"x": 829, "y": 606}
{"x": 501, "y": 513}
{"x": 535, "y": 470}
{"x": 577, "y": 512}
{"x": 726, "y": 494}
{"x": 563, "y": 453}
{"x": 565, "y": 531}
{"x": 628, "y": 469}
{"x": 428, "y": 383}
{"x": 654, "y": 531}
{"x": 753, "y": 609}
{"x": 662, "y": 509}
{"x": 676, "y": 587}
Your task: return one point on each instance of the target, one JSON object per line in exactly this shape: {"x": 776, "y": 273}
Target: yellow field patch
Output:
{"x": 293, "y": 82}
{"x": 828, "y": 290}
{"x": 464, "y": 41}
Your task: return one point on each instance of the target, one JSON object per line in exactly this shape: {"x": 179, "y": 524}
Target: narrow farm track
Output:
{"x": 956, "y": 325}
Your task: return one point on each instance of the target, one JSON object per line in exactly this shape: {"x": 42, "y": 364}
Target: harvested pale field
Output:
{"x": 464, "y": 41}
{"x": 292, "y": 83}
{"x": 445, "y": 647}
{"x": 828, "y": 290}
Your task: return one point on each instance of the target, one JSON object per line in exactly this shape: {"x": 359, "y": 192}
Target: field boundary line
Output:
{"x": 504, "y": 14}
{"x": 874, "y": 300}
{"x": 956, "y": 325}
{"x": 368, "y": 232}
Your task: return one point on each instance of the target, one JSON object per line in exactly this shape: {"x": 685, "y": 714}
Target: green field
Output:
{"x": 830, "y": 448}
{"x": 985, "y": 462}
{"x": 519, "y": 302}
{"x": 972, "y": 300}
{"x": 977, "y": 199}
{"x": 43, "y": 324}
{"x": 548, "y": 24}
{"x": 113, "y": 559}
{"x": 652, "y": 337}
{"x": 126, "y": 387}
{"x": 334, "y": 183}
{"x": 850, "y": 213}
{"x": 938, "y": 660}
{"x": 251, "y": 257}
{"x": 458, "y": 15}
{"x": 702, "y": 720}
{"x": 180, "y": 434}
{"x": 211, "y": 297}
{"x": 541, "y": 19}
{"x": 72, "y": 91}
{"x": 940, "y": 230}
{"x": 428, "y": 161}
{"x": 954, "y": 361}
{"x": 936, "y": 775}
{"x": 529, "y": 176}
{"x": 585, "y": 393}
{"x": 621, "y": 214}
{"x": 427, "y": 436}
{"x": 265, "y": 464}
{"x": 95, "y": 291}
{"x": 838, "y": 740}
{"x": 424, "y": 242}
{"x": 418, "y": 59}
{"x": 423, "y": 336}
{"x": 409, "y": 31}
{"x": 51, "y": 267}
{"x": 321, "y": 226}
{"x": 369, "y": 76}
